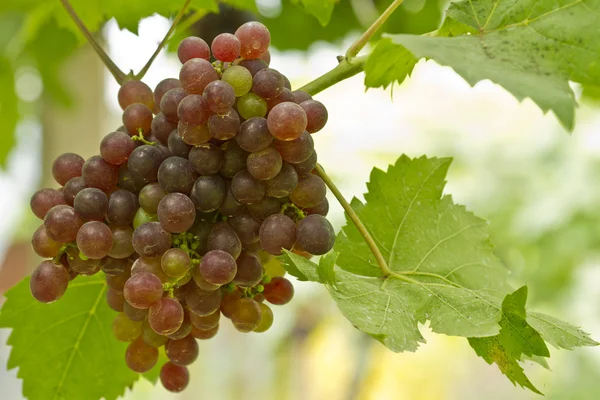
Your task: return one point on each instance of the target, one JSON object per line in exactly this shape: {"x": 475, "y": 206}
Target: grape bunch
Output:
{"x": 210, "y": 177}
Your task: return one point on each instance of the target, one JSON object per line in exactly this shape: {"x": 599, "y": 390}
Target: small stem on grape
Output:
{"x": 140, "y": 138}
{"x": 119, "y": 75}
{"x": 356, "y": 220}
{"x": 360, "y": 43}
{"x": 163, "y": 43}
{"x": 344, "y": 70}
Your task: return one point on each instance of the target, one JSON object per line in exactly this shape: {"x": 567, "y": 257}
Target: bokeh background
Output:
{"x": 538, "y": 185}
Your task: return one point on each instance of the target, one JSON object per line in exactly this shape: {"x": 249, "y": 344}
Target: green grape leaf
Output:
{"x": 516, "y": 338}
{"x": 66, "y": 350}
{"x": 531, "y": 48}
{"x": 298, "y": 266}
{"x": 9, "y": 114}
{"x": 443, "y": 270}
{"x": 321, "y": 9}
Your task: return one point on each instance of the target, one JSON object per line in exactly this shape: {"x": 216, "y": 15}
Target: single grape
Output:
{"x": 283, "y": 183}
{"x": 307, "y": 165}
{"x": 91, "y": 204}
{"x": 48, "y": 282}
{"x": 254, "y": 135}
{"x": 43, "y": 245}
{"x": 286, "y": 82}
{"x": 165, "y": 316}
{"x": 234, "y": 159}
{"x": 177, "y": 146}
{"x": 127, "y": 181}
{"x": 161, "y": 128}
{"x": 194, "y": 109}
{"x": 100, "y": 174}
{"x": 266, "y": 319}
{"x": 264, "y": 208}
{"x": 118, "y": 267}
{"x": 251, "y": 105}
{"x": 149, "y": 264}
{"x": 254, "y": 38}
{"x": 115, "y": 300}
{"x": 192, "y": 47}
{"x": 184, "y": 330}
{"x": 230, "y": 205}
{"x": 183, "y": 351}
{"x": 202, "y": 302}
{"x": 225, "y": 47}
{"x": 87, "y": 266}
{"x": 206, "y": 159}
{"x": 195, "y": 74}
{"x": 142, "y": 216}
{"x": 264, "y": 164}
{"x": 175, "y": 263}
{"x": 316, "y": 115}
{"x": 126, "y": 330}
{"x": 249, "y": 270}
{"x": 135, "y": 91}
{"x": 301, "y": 96}
{"x": 142, "y": 290}
{"x": 62, "y": 223}
{"x": 208, "y": 193}
{"x": 246, "y": 315}
{"x": 315, "y": 234}
{"x": 169, "y": 104}
{"x": 223, "y": 237}
{"x": 239, "y": 78}
{"x": 150, "y": 337}
{"x": 287, "y": 121}
{"x": 246, "y": 228}
{"x": 205, "y": 322}
{"x": 218, "y": 267}
{"x": 116, "y": 282}
{"x": 194, "y": 135}
{"x": 174, "y": 378}
{"x": 201, "y": 283}
{"x": 175, "y": 175}
{"x": 322, "y": 208}
{"x": 246, "y": 188}
{"x": 150, "y": 196}
{"x": 137, "y": 118}
{"x": 122, "y": 206}
{"x": 279, "y": 291}
{"x": 71, "y": 188}
{"x": 67, "y": 166}
{"x": 224, "y": 126}
{"x": 122, "y": 246}
{"x": 228, "y": 301}
{"x": 116, "y": 147}
{"x": 253, "y": 65}
{"x": 141, "y": 357}
{"x": 144, "y": 162}
{"x": 94, "y": 239}
{"x": 285, "y": 96}
{"x": 45, "y": 199}
{"x": 266, "y": 58}
{"x": 268, "y": 83}
{"x": 309, "y": 192}
{"x": 277, "y": 232}
{"x": 204, "y": 334}
{"x": 297, "y": 150}
{"x": 176, "y": 213}
{"x": 135, "y": 314}
{"x": 163, "y": 87}
{"x": 151, "y": 240}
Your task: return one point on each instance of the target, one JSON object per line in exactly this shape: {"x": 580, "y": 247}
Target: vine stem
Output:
{"x": 119, "y": 75}
{"x": 385, "y": 269}
{"x": 163, "y": 43}
{"x": 344, "y": 70}
{"x": 360, "y": 43}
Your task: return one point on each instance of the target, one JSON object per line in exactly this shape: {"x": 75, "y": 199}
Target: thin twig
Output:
{"x": 356, "y": 220}
{"x": 162, "y": 44}
{"x": 119, "y": 75}
{"x": 360, "y": 43}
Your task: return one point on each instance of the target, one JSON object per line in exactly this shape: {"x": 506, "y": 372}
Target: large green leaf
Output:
{"x": 66, "y": 350}
{"x": 532, "y": 48}
{"x": 443, "y": 271}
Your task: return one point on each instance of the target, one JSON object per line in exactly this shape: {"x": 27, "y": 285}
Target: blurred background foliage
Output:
{"x": 536, "y": 185}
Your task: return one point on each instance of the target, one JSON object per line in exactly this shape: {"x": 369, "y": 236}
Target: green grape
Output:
{"x": 266, "y": 318}
{"x": 251, "y": 105}
{"x": 239, "y": 78}
{"x": 126, "y": 330}
{"x": 142, "y": 216}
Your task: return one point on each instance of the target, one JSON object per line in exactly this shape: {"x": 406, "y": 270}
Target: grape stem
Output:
{"x": 385, "y": 270}
{"x": 163, "y": 43}
{"x": 344, "y": 70}
{"x": 119, "y": 75}
{"x": 360, "y": 43}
